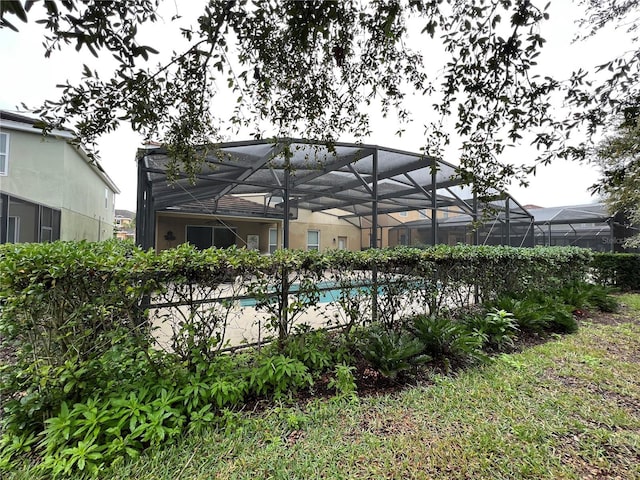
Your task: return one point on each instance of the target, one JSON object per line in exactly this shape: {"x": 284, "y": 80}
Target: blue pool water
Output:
{"x": 328, "y": 293}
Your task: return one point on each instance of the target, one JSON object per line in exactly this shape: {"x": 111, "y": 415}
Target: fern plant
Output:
{"x": 444, "y": 337}
{"x": 558, "y": 313}
{"x": 312, "y": 348}
{"x": 600, "y": 298}
{"x": 529, "y": 312}
{"x": 392, "y": 353}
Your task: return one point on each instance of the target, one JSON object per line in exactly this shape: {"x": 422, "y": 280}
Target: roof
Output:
{"x": 24, "y": 123}
{"x": 230, "y": 205}
{"x": 124, "y": 213}
{"x": 322, "y": 176}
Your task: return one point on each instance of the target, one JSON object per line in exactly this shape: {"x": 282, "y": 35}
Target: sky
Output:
{"x": 30, "y": 78}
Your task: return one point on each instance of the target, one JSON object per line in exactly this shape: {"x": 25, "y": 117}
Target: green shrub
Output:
{"x": 559, "y": 315}
{"x": 498, "y": 327}
{"x": 553, "y": 310}
{"x": 86, "y": 375}
{"x": 618, "y": 270}
{"x": 574, "y": 295}
{"x": 101, "y": 430}
{"x": 343, "y": 381}
{"x": 584, "y": 296}
{"x": 391, "y": 353}
{"x": 313, "y": 348}
{"x": 529, "y": 314}
{"x": 444, "y": 337}
{"x": 32, "y": 392}
{"x": 562, "y": 318}
{"x": 278, "y": 374}
{"x": 600, "y": 297}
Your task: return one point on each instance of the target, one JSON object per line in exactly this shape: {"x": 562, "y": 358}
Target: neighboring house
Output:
{"x": 400, "y": 231}
{"x": 124, "y": 225}
{"x": 510, "y": 224}
{"x": 49, "y": 188}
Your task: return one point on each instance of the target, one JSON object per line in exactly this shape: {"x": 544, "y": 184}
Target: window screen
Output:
{"x": 200, "y": 237}
{"x": 313, "y": 240}
{"x": 4, "y": 153}
{"x": 273, "y": 240}
{"x": 224, "y": 237}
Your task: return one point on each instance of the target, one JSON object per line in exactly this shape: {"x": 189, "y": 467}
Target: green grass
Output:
{"x": 569, "y": 408}
{"x": 631, "y": 301}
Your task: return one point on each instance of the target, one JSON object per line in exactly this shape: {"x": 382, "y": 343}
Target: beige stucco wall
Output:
{"x": 330, "y": 227}
{"x": 177, "y": 224}
{"x": 49, "y": 171}
{"x": 75, "y": 226}
{"x": 85, "y": 213}
{"x": 35, "y": 172}
{"x": 392, "y": 237}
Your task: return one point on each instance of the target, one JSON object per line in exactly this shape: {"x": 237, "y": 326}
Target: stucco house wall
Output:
{"x": 177, "y": 224}
{"x": 50, "y": 172}
{"x": 333, "y": 232}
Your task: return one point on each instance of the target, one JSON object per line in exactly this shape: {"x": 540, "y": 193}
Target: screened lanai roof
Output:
{"x": 590, "y": 213}
{"x": 316, "y": 176}
{"x": 322, "y": 177}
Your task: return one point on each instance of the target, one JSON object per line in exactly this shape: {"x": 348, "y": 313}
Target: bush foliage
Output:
{"x": 87, "y": 382}
{"x": 619, "y": 270}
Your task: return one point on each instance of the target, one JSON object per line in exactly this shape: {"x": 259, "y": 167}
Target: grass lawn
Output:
{"x": 569, "y": 408}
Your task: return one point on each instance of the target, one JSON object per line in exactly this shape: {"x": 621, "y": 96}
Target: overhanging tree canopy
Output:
{"x": 316, "y": 68}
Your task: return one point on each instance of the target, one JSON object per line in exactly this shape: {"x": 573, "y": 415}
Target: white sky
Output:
{"x": 30, "y": 78}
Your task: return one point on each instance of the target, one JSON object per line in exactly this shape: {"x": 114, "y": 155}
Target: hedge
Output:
{"x": 65, "y": 299}
{"x": 619, "y": 270}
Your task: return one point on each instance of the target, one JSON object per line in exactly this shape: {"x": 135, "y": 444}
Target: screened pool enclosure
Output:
{"x": 588, "y": 226}
{"x": 366, "y": 187}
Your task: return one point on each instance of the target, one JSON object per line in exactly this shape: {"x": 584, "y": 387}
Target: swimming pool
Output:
{"x": 329, "y": 292}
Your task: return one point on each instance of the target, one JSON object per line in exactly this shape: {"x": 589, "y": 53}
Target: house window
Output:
{"x": 106, "y": 198}
{"x": 4, "y": 153}
{"x": 403, "y": 239}
{"x": 273, "y": 240}
{"x": 404, "y": 214}
{"x": 423, "y": 213}
{"x": 313, "y": 240}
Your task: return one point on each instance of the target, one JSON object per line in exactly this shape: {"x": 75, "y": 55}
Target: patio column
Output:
{"x": 508, "y": 220}
{"x": 434, "y": 202}
{"x": 145, "y": 215}
{"x": 4, "y": 215}
{"x": 612, "y": 236}
{"x": 373, "y": 241}
{"x": 476, "y": 227}
{"x": 283, "y": 329}
{"x": 374, "y": 203}
{"x": 287, "y": 206}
